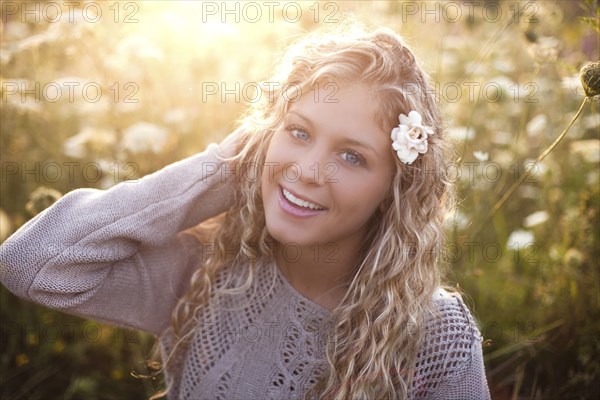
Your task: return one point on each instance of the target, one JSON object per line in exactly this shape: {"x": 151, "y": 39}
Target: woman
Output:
{"x": 317, "y": 276}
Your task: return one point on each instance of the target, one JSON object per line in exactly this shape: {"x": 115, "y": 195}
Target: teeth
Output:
{"x": 300, "y": 202}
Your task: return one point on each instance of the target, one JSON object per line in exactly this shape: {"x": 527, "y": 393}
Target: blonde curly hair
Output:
{"x": 378, "y": 328}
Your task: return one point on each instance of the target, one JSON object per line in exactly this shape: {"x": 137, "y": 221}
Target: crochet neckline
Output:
{"x": 440, "y": 292}
{"x": 317, "y": 307}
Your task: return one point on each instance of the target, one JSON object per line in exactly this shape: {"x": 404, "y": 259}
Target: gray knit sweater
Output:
{"x": 117, "y": 256}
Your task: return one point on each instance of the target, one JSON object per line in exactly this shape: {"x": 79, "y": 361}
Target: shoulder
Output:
{"x": 450, "y": 357}
{"x": 452, "y": 327}
{"x": 452, "y": 312}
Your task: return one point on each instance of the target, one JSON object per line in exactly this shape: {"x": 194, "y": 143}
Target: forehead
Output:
{"x": 348, "y": 110}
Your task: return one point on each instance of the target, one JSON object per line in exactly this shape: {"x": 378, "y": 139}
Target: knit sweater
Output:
{"x": 119, "y": 256}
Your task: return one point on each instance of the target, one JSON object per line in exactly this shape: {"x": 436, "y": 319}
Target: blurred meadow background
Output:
{"x": 95, "y": 93}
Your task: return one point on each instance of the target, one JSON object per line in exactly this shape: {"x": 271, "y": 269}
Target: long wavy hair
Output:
{"x": 378, "y": 327}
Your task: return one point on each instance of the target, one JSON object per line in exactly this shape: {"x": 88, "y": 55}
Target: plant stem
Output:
{"x": 528, "y": 171}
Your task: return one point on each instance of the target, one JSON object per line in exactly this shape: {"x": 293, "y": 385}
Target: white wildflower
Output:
{"x": 76, "y": 146}
{"x": 481, "y": 156}
{"x": 501, "y": 88}
{"x": 461, "y": 133}
{"x": 588, "y": 149}
{"x": 520, "y": 240}
{"x": 536, "y": 125}
{"x": 175, "y": 116}
{"x": 572, "y": 84}
{"x": 502, "y": 137}
{"x": 537, "y": 218}
{"x": 503, "y": 65}
{"x": 143, "y": 136}
{"x": 591, "y": 121}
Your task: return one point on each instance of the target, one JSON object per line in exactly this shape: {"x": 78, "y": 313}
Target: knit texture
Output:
{"x": 118, "y": 256}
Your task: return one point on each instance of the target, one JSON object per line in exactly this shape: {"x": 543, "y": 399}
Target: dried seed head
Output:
{"x": 590, "y": 79}
{"x": 531, "y": 36}
{"x": 40, "y": 199}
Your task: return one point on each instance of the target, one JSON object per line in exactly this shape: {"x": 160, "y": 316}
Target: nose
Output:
{"x": 315, "y": 166}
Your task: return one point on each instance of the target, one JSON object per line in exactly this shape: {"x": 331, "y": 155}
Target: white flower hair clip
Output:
{"x": 409, "y": 139}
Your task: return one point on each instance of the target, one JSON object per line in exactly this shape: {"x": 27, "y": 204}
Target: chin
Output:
{"x": 282, "y": 234}
{"x": 286, "y": 235}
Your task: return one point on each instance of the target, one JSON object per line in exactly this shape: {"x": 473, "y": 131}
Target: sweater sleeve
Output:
{"x": 450, "y": 364}
{"x": 117, "y": 255}
{"x": 469, "y": 382}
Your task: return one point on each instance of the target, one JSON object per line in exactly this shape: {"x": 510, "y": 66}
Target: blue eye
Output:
{"x": 298, "y": 133}
{"x": 353, "y": 158}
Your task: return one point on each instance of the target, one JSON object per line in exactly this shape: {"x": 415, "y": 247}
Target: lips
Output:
{"x": 298, "y": 206}
{"x": 301, "y": 201}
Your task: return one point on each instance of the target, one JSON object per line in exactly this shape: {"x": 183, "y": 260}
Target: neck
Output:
{"x": 322, "y": 271}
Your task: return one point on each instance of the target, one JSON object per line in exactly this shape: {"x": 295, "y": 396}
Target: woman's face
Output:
{"x": 327, "y": 169}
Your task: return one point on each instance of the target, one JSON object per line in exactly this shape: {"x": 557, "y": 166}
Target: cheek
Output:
{"x": 365, "y": 194}
{"x": 278, "y": 149}
{"x": 275, "y": 159}
{"x": 278, "y": 155}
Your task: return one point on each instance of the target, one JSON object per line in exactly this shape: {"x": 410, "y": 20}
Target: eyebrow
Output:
{"x": 346, "y": 140}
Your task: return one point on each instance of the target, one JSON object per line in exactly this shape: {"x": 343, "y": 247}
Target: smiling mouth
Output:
{"x": 297, "y": 201}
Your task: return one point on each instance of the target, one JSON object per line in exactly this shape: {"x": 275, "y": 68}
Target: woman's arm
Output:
{"x": 115, "y": 255}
